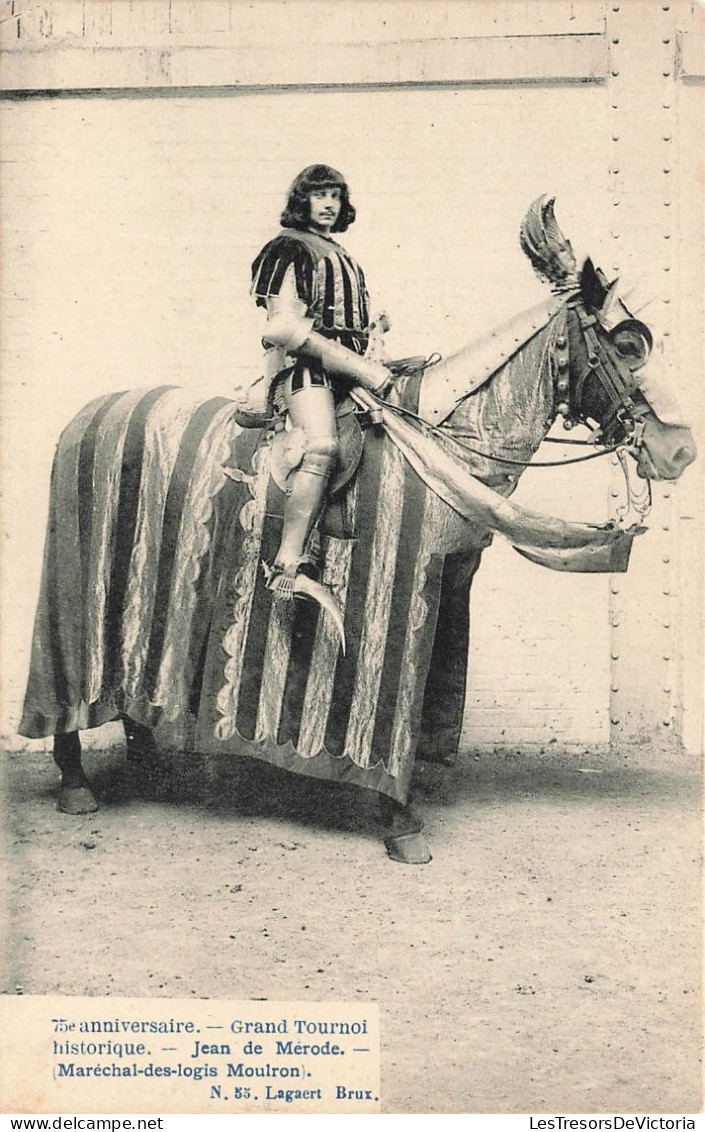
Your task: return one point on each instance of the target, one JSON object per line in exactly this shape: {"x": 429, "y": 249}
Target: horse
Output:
{"x": 153, "y": 606}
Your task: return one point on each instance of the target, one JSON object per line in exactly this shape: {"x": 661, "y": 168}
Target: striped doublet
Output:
{"x": 326, "y": 278}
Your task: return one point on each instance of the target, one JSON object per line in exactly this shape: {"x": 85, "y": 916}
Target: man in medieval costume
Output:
{"x": 317, "y": 333}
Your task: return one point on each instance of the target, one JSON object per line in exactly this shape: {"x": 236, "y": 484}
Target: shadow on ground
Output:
{"x": 547, "y": 959}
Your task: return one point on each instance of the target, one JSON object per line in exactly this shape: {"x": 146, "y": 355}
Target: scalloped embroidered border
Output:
{"x": 251, "y": 518}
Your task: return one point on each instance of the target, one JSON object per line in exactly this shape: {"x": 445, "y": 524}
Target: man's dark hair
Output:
{"x": 297, "y": 213}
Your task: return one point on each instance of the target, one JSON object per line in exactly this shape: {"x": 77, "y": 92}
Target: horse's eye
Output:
{"x": 632, "y": 341}
{"x": 631, "y": 347}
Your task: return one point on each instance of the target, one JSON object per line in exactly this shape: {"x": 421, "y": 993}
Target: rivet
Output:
{"x": 666, "y": 495}
{"x": 666, "y": 105}
{"x": 667, "y": 690}
{"x": 615, "y": 7}
{"x": 666, "y": 723}
{"x": 615, "y": 622}
{"x": 615, "y": 106}
{"x": 615, "y": 688}
{"x": 615, "y": 72}
{"x": 666, "y": 558}
{"x": 666, "y": 74}
{"x": 560, "y": 341}
{"x": 667, "y": 137}
{"x": 666, "y": 7}
{"x": 667, "y": 39}
{"x": 614, "y": 589}
{"x": 667, "y": 204}
{"x": 667, "y": 624}
{"x": 667, "y": 656}
{"x": 615, "y": 39}
{"x": 614, "y": 494}
{"x": 616, "y": 169}
{"x": 615, "y": 137}
{"x": 614, "y": 655}
{"x": 665, "y": 527}
{"x": 667, "y": 301}
{"x": 666, "y": 592}
{"x": 615, "y": 203}
{"x": 666, "y": 333}
{"x": 666, "y": 269}
{"x": 667, "y": 169}
{"x": 614, "y": 720}
{"x": 614, "y": 235}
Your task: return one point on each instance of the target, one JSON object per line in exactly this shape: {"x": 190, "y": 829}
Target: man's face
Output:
{"x": 325, "y": 206}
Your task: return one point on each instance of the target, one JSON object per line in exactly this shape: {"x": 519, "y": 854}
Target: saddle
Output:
{"x": 286, "y": 445}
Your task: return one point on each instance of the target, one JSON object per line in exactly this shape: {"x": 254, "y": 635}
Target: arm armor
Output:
{"x": 287, "y": 325}
{"x": 290, "y": 329}
{"x": 340, "y": 361}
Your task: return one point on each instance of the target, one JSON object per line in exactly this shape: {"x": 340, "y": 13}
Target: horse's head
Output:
{"x": 606, "y": 377}
{"x": 612, "y": 381}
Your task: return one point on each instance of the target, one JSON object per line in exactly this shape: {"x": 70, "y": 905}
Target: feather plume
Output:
{"x": 543, "y": 242}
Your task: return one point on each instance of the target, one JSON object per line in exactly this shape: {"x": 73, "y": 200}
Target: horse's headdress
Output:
{"x": 543, "y": 242}
{"x": 552, "y": 258}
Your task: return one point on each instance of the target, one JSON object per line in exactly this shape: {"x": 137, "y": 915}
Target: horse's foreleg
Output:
{"x": 405, "y": 841}
{"x": 75, "y": 794}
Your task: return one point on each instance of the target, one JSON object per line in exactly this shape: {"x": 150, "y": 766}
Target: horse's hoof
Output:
{"x": 76, "y": 800}
{"x": 408, "y": 848}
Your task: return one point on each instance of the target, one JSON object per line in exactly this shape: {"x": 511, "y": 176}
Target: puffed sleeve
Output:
{"x": 282, "y": 260}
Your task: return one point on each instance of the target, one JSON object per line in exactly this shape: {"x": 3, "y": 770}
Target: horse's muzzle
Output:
{"x": 666, "y": 451}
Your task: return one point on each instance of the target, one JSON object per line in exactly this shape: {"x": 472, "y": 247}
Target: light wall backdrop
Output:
{"x": 129, "y": 222}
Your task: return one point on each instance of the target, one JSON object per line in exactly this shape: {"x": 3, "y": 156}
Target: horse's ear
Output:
{"x": 594, "y": 287}
{"x": 543, "y": 242}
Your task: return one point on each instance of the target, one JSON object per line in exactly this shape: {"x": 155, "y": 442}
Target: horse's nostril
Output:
{"x": 683, "y": 456}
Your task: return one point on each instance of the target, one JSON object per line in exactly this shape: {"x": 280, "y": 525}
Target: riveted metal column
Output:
{"x": 643, "y": 234}
{"x": 688, "y": 329}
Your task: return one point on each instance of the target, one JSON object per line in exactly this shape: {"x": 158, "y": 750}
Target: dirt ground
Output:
{"x": 548, "y": 959}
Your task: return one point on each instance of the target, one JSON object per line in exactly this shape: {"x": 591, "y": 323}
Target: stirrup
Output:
{"x": 280, "y": 579}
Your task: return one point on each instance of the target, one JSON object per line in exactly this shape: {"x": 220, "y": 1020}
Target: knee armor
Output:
{"x": 321, "y": 455}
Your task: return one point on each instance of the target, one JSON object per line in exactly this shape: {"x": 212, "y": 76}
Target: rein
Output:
{"x": 457, "y": 436}
{"x": 639, "y": 502}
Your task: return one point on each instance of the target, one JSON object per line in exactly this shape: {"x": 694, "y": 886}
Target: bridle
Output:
{"x": 618, "y": 381}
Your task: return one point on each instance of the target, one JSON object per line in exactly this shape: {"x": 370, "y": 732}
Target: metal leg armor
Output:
{"x": 309, "y": 401}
